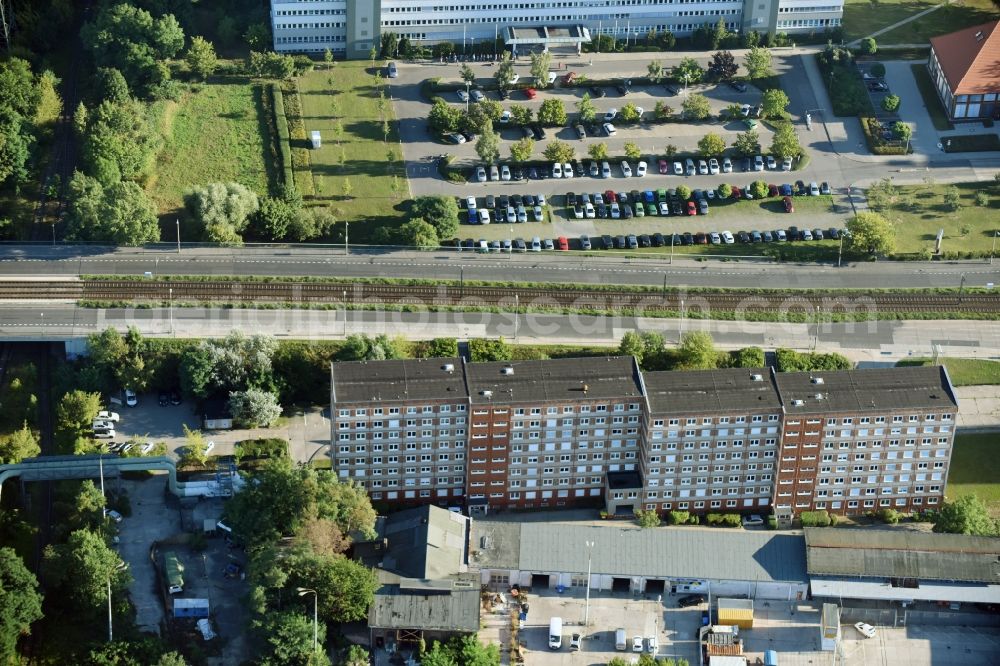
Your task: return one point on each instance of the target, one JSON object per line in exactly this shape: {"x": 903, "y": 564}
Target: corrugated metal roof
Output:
{"x": 902, "y": 554}
{"x": 425, "y": 542}
{"x": 397, "y": 607}
{"x": 681, "y": 552}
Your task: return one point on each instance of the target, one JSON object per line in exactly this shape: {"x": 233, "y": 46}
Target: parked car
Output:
{"x": 626, "y": 169}
{"x": 637, "y": 644}
{"x": 113, "y": 515}
{"x": 640, "y": 169}
{"x": 585, "y": 242}
{"x": 787, "y": 202}
{"x": 813, "y": 189}
{"x": 771, "y": 162}
{"x": 690, "y": 600}
{"x": 758, "y": 163}
{"x": 130, "y": 398}
{"x": 105, "y": 415}
{"x": 865, "y": 629}
{"x": 609, "y": 129}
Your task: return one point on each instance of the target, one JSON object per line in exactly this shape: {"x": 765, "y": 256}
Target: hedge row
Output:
{"x": 284, "y": 139}
{"x": 876, "y": 143}
{"x": 299, "y": 143}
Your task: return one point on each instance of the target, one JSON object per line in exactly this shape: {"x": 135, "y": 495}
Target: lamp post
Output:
{"x": 110, "y": 630}
{"x": 816, "y": 332}
{"x": 345, "y": 313}
{"x": 994, "y": 248}
{"x": 586, "y": 608}
{"x": 517, "y": 301}
{"x": 840, "y": 252}
{"x": 468, "y": 84}
{"x": 680, "y": 326}
{"x": 178, "y": 223}
{"x": 171, "y": 310}
{"x": 303, "y": 591}
{"x": 347, "y": 236}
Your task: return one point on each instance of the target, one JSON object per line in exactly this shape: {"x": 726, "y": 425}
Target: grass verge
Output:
{"x": 931, "y": 100}
{"x": 970, "y": 143}
{"x": 863, "y": 17}
{"x": 975, "y": 469}
{"x": 964, "y": 371}
{"x": 949, "y": 18}
{"x": 921, "y": 211}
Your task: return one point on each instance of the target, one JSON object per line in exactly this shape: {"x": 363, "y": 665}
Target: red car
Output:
{"x": 609, "y": 197}
{"x": 692, "y": 209}
{"x": 789, "y": 208}
{"x": 562, "y": 243}
{"x": 569, "y": 78}
{"x": 737, "y": 192}
{"x": 530, "y": 93}
{"x": 772, "y": 190}
{"x": 663, "y": 166}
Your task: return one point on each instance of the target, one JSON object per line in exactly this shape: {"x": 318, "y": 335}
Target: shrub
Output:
{"x": 891, "y": 102}
{"x": 713, "y": 518}
{"x": 271, "y": 447}
{"x": 889, "y": 516}
{"x": 982, "y": 198}
{"x": 683, "y": 191}
{"x": 772, "y": 522}
{"x": 284, "y": 137}
{"x": 731, "y": 520}
{"x": 814, "y": 518}
{"x": 678, "y": 517}
{"x": 725, "y": 190}
{"x": 647, "y": 518}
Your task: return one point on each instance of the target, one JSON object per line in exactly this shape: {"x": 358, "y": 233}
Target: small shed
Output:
{"x": 316, "y": 141}
{"x": 215, "y": 414}
{"x": 738, "y": 612}
{"x": 190, "y": 607}
{"x": 208, "y": 526}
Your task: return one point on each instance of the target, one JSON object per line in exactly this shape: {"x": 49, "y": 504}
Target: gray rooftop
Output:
{"x": 426, "y": 542}
{"x": 902, "y": 554}
{"x": 628, "y": 550}
{"x": 395, "y": 380}
{"x": 554, "y": 380}
{"x": 407, "y": 604}
{"x": 866, "y": 390}
{"x": 711, "y": 391}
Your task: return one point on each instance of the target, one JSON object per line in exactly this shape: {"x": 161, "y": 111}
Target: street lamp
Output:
{"x": 468, "y": 84}
{"x": 680, "y": 325}
{"x": 994, "y": 249}
{"x": 171, "y": 310}
{"x": 517, "y": 300}
{"x": 345, "y": 313}
{"x": 347, "y": 236}
{"x": 178, "y": 222}
{"x": 303, "y": 591}
{"x": 816, "y": 333}
{"x": 586, "y": 611}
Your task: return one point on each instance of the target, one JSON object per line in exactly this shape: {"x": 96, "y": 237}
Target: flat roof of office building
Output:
{"x": 877, "y": 390}
{"x": 711, "y": 391}
{"x": 398, "y": 380}
{"x": 553, "y": 380}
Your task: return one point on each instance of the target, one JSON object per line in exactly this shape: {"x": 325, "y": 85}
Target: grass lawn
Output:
{"x": 964, "y": 371}
{"x": 921, "y": 212}
{"x": 863, "y": 17}
{"x": 345, "y": 96}
{"x": 975, "y": 469}
{"x": 963, "y": 143}
{"x": 952, "y": 17}
{"x": 215, "y": 133}
{"x": 933, "y": 103}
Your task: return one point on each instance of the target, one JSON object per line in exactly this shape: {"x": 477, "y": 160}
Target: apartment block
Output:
{"x": 600, "y": 432}
{"x": 351, "y": 27}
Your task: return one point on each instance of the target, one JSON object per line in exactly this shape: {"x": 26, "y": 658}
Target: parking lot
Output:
{"x": 792, "y": 629}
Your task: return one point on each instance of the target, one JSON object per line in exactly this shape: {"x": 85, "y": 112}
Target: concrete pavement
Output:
{"x": 979, "y": 406}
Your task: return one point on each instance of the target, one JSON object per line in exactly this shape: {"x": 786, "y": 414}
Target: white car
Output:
{"x": 713, "y": 166}
{"x": 540, "y": 200}
{"x": 494, "y": 173}
{"x": 484, "y": 216}
{"x": 470, "y": 203}
{"x": 594, "y": 170}
{"x": 480, "y": 174}
{"x": 865, "y": 629}
{"x": 552, "y": 78}
{"x": 567, "y": 170}
{"x": 462, "y": 95}
{"x": 678, "y": 169}
{"x": 786, "y": 164}
{"x": 702, "y": 167}
{"x": 504, "y": 172}
{"x": 146, "y": 448}
{"x": 536, "y": 244}
{"x": 652, "y": 645}
{"x": 574, "y": 642}
{"x": 626, "y": 169}
{"x": 609, "y": 129}
{"x": 745, "y": 110}
{"x": 771, "y": 163}
{"x": 605, "y": 170}
{"x": 105, "y": 415}
{"x": 727, "y": 237}
{"x": 113, "y": 515}
{"x": 515, "y": 79}
{"x": 640, "y": 111}
{"x": 616, "y": 211}
{"x": 511, "y": 215}
{"x": 727, "y": 165}
{"x": 522, "y": 216}
{"x": 505, "y": 117}
{"x": 637, "y": 644}
{"x": 130, "y": 398}
{"x": 640, "y": 169}
{"x": 557, "y": 170}
{"x": 610, "y": 115}
{"x": 537, "y": 212}
{"x": 758, "y": 163}
{"x": 588, "y": 210}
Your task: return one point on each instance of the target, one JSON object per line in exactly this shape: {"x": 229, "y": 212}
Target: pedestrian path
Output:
{"x": 889, "y": 28}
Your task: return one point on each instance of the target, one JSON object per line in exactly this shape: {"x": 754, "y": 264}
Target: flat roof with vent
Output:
{"x": 553, "y": 380}
{"x": 877, "y": 390}
{"x": 398, "y": 380}
{"x": 711, "y": 391}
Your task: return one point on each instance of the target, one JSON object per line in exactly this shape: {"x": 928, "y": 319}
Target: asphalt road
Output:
{"x": 564, "y": 267}
{"x": 876, "y": 340}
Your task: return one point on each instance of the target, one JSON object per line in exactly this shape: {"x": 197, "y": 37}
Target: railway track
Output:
{"x": 359, "y": 293}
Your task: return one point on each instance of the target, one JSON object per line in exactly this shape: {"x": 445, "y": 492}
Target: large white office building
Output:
{"x": 351, "y": 27}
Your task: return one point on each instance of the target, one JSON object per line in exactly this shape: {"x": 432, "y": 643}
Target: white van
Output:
{"x": 555, "y": 633}
{"x": 621, "y": 640}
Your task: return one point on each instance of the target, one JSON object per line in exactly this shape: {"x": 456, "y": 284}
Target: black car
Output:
{"x": 533, "y": 173}
{"x": 538, "y": 132}
{"x": 490, "y": 201}
{"x": 644, "y": 240}
{"x": 743, "y": 237}
{"x": 164, "y": 399}
{"x": 690, "y": 600}
{"x": 517, "y": 200}
{"x": 529, "y": 200}
{"x": 606, "y": 242}
{"x": 622, "y": 90}
{"x": 687, "y": 238}
{"x": 675, "y": 240}
{"x": 675, "y": 207}
{"x": 601, "y": 211}
{"x": 738, "y": 85}
{"x": 793, "y": 233}
{"x": 801, "y": 189}
{"x": 672, "y": 89}
{"x": 504, "y": 94}
{"x": 833, "y": 233}
{"x": 518, "y": 173}
{"x": 519, "y": 245}
{"x": 619, "y": 242}
{"x": 504, "y": 201}
{"x": 626, "y": 212}
{"x": 597, "y": 92}
{"x": 746, "y": 164}
{"x": 469, "y": 244}
{"x": 659, "y": 240}
{"x": 469, "y": 136}
{"x": 175, "y": 397}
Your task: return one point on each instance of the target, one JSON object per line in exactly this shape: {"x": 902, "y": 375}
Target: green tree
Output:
{"x": 891, "y": 103}
{"x": 952, "y": 198}
{"x": 257, "y": 36}
{"x": 647, "y": 347}
{"x": 758, "y": 62}
{"x": 121, "y": 213}
{"x": 747, "y": 143}
{"x": 684, "y": 192}
{"x": 552, "y": 113}
{"x": 16, "y": 141}
{"x": 119, "y": 142}
{"x": 697, "y": 352}
{"x": 110, "y": 85}
{"x": 442, "y": 348}
{"x": 288, "y": 639}
{"x": 49, "y": 106}
{"x": 364, "y": 348}
{"x": 688, "y": 71}
{"x": 872, "y": 234}
{"x": 357, "y": 656}
{"x": 201, "y": 58}
{"x": 505, "y": 71}
{"x": 467, "y": 74}
{"x": 328, "y": 58}
{"x": 276, "y": 216}
{"x": 486, "y": 349}
{"x": 559, "y": 151}
{"x": 902, "y": 130}
{"x": 869, "y": 46}
{"x": 20, "y": 603}
{"x": 488, "y": 145}
{"x": 443, "y": 117}
{"x": 598, "y": 151}
{"x": 632, "y": 150}
{"x": 586, "y": 109}
{"x": 774, "y": 101}
{"x": 195, "y": 448}
{"x": 346, "y": 588}
{"x": 882, "y": 195}
{"x": 785, "y": 142}
{"x": 725, "y": 191}
{"x": 630, "y": 113}
{"x": 647, "y": 518}
{"x": 759, "y": 189}
{"x": 655, "y": 71}
{"x": 419, "y": 233}
{"x": 440, "y": 211}
{"x": 696, "y": 107}
{"x": 966, "y": 515}
{"x": 722, "y": 66}
{"x": 222, "y": 210}
{"x": 521, "y": 151}
{"x": 662, "y": 111}
{"x": 81, "y": 568}
{"x": 711, "y": 144}
{"x": 520, "y": 114}
{"x": 76, "y": 410}
{"x": 18, "y": 93}
{"x": 491, "y": 108}
{"x": 540, "y": 65}
{"x": 749, "y": 357}
{"x": 18, "y": 445}
{"x": 254, "y": 408}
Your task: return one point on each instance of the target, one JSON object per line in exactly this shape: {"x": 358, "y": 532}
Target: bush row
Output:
{"x": 876, "y": 144}
{"x": 299, "y": 142}
{"x": 284, "y": 138}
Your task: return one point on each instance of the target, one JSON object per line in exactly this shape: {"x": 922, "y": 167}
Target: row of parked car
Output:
{"x": 505, "y": 208}
{"x": 625, "y": 205}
